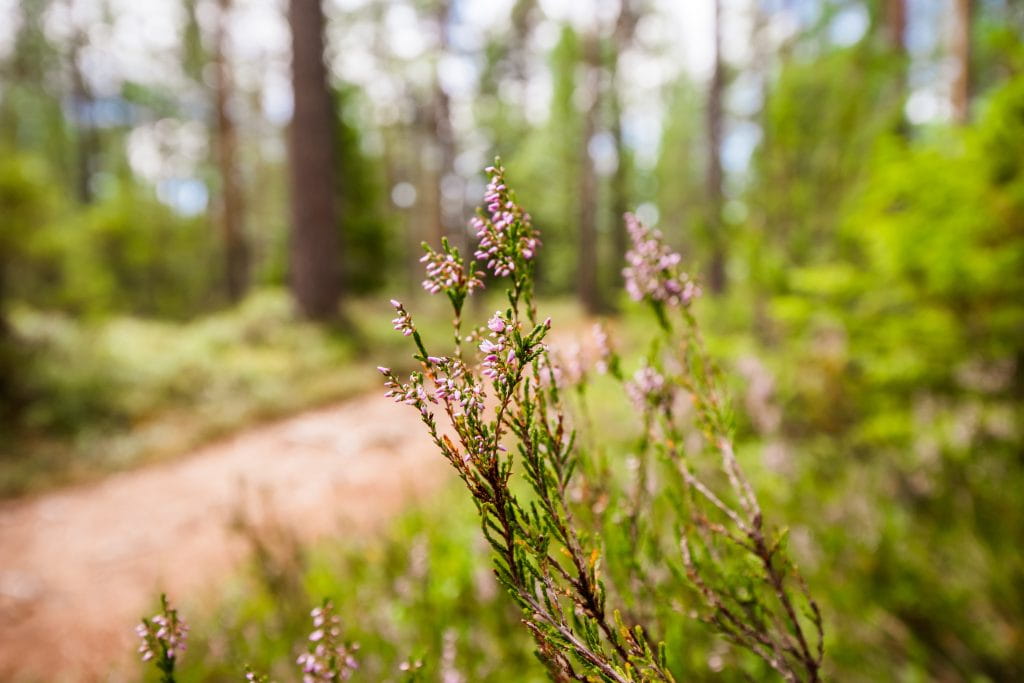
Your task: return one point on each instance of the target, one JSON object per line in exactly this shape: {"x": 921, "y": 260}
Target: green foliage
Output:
{"x": 127, "y": 253}
{"x": 421, "y": 590}
{"x": 680, "y": 169}
{"x": 27, "y": 203}
{"x": 816, "y": 139}
{"x": 108, "y": 395}
{"x": 548, "y": 162}
{"x": 901, "y": 384}
{"x": 367, "y": 235}
{"x": 31, "y": 116}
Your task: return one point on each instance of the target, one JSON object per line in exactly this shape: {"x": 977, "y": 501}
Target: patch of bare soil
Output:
{"x": 80, "y": 566}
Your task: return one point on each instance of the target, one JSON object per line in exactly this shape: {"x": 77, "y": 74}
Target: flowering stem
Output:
{"x": 457, "y": 328}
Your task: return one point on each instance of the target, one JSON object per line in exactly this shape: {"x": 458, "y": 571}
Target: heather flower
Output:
{"x": 571, "y": 364}
{"x": 446, "y": 272}
{"x": 496, "y": 323}
{"x": 499, "y": 357}
{"x": 163, "y": 638}
{"x": 253, "y": 677}
{"x": 649, "y": 389}
{"x": 327, "y": 657}
{"x": 605, "y": 355}
{"x": 454, "y": 387}
{"x": 402, "y": 323}
{"x": 411, "y": 393}
{"x": 653, "y": 271}
{"x": 407, "y": 665}
{"x": 506, "y": 234}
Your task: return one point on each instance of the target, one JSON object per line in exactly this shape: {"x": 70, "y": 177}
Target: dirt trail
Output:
{"x": 78, "y": 567}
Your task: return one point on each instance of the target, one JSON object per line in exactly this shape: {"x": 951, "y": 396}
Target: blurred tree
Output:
{"x": 546, "y": 166}
{"x": 125, "y": 253}
{"x": 588, "y": 288}
{"x": 714, "y": 178}
{"x": 894, "y": 25}
{"x": 961, "y": 56}
{"x": 231, "y": 209}
{"x": 193, "y": 54}
{"x": 504, "y": 80}
{"x": 916, "y": 350}
{"x": 622, "y": 38}
{"x": 681, "y": 167}
{"x": 365, "y": 233}
{"x": 894, "y": 30}
{"x": 814, "y": 148}
{"x": 445, "y": 194}
{"x": 83, "y": 105}
{"x": 314, "y": 241}
{"x": 32, "y": 118}
{"x": 27, "y": 205}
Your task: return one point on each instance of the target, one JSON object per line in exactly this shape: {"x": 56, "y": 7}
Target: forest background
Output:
{"x": 203, "y": 204}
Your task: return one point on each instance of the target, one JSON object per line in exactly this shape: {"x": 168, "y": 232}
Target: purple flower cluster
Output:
{"x": 163, "y": 636}
{"x": 499, "y": 355}
{"x": 412, "y": 393}
{"x": 505, "y": 232}
{"x": 649, "y": 389}
{"x": 454, "y": 386}
{"x": 653, "y": 271}
{"x": 446, "y": 272}
{"x": 253, "y": 677}
{"x": 402, "y": 323}
{"x": 604, "y": 349}
{"x": 571, "y": 367}
{"x": 328, "y": 658}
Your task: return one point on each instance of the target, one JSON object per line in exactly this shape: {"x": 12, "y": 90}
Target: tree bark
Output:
{"x": 232, "y": 202}
{"x": 715, "y": 198}
{"x": 961, "y": 49}
{"x": 86, "y": 137}
{"x": 315, "y": 271}
{"x": 895, "y": 25}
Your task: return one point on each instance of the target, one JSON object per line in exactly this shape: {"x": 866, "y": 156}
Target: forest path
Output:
{"x": 80, "y": 566}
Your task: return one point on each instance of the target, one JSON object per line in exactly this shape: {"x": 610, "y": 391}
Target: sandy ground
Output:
{"x": 78, "y": 567}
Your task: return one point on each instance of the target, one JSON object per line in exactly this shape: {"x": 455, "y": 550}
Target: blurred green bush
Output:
{"x": 106, "y": 394}
{"x": 900, "y": 372}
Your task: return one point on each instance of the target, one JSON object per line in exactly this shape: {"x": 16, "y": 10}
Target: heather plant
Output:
{"x": 508, "y": 408}
{"x": 328, "y": 659}
{"x": 163, "y": 639}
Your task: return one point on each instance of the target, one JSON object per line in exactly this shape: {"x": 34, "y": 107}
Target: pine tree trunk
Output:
{"x": 619, "y": 184}
{"x": 715, "y": 198}
{"x": 894, "y": 30}
{"x": 961, "y": 49}
{"x": 895, "y": 25}
{"x": 86, "y": 138}
{"x": 232, "y": 203}
{"x": 315, "y": 271}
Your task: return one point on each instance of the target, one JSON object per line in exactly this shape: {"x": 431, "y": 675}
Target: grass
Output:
{"x": 422, "y": 590}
